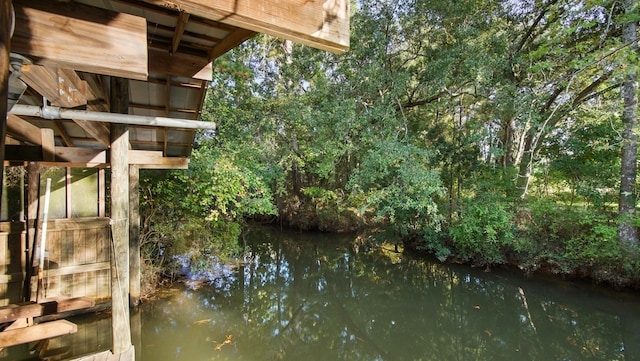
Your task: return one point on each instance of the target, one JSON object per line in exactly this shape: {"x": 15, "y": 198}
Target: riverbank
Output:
{"x": 540, "y": 237}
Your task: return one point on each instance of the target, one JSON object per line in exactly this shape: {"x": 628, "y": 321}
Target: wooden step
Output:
{"x": 16, "y": 311}
{"x": 59, "y": 305}
{"x": 37, "y": 332}
{"x": 13, "y": 312}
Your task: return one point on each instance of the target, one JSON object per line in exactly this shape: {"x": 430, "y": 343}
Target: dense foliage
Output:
{"x": 483, "y": 131}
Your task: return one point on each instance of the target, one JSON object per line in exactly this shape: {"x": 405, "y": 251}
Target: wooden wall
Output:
{"x": 12, "y": 257}
{"x": 78, "y": 262}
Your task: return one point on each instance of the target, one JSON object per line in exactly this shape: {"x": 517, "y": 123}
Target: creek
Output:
{"x": 311, "y": 296}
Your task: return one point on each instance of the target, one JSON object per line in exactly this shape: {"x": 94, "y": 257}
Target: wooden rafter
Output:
{"x": 162, "y": 108}
{"x": 62, "y": 131}
{"x": 203, "y": 93}
{"x": 183, "y": 18}
{"x": 189, "y": 66}
{"x": 61, "y": 87}
{"x": 319, "y": 23}
{"x": 237, "y": 37}
{"x": 97, "y": 130}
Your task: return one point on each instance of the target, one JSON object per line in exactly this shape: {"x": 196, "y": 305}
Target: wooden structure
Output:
{"x": 91, "y": 91}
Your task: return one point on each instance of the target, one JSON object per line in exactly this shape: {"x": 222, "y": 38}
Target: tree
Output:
{"x": 627, "y": 230}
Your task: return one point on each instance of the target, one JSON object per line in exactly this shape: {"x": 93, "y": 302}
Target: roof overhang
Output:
{"x": 164, "y": 48}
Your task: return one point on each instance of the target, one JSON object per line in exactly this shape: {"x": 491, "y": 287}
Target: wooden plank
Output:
{"x": 183, "y": 18}
{"x": 318, "y": 23}
{"x": 13, "y": 312}
{"x": 119, "y": 159}
{"x": 61, "y": 87}
{"x": 81, "y": 37}
{"x": 48, "y": 145}
{"x": 5, "y": 40}
{"x": 10, "y": 277}
{"x": 128, "y": 355}
{"x": 134, "y": 236}
{"x": 12, "y": 227}
{"x": 179, "y": 64}
{"x": 98, "y": 130}
{"x": 168, "y": 163}
{"x": 73, "y": 269}
{"x": 235, "y": 38}
{"x": 23, "y": 130}
{"x": 78, "y": 223}
{"x": 62, "y": 131}
{"x": 59, "y": 305}
{"x": 153, "y": 159}
{"x": 37, "y": 332}
{"x": 80, "y": 155}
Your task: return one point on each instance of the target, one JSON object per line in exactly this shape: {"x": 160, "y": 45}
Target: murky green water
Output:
{"x": 316, "y": 297}
{"x": 319, "y": 297}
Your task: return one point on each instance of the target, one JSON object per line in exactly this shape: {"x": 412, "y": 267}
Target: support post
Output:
{"x": 121, "y": 336}
{"x": 134, "y": 236}
{"x": 5, "y": 36}
{"x": 33, "y": 201}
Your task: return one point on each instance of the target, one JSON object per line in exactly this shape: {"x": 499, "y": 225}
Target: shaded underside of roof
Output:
{"x": 76, "y": 49}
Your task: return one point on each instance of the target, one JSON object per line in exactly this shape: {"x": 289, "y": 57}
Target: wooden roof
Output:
{"x": 164, "y": 48}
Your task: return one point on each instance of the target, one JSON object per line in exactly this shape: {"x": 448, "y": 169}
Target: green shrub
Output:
{"x": 483, "y": 232}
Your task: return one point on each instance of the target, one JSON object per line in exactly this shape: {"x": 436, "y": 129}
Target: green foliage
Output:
{"x": 396, "y": 182}
{"x": 194, "y": 218}
{"x": 574, "y": 240}
{"x": 484, "y": 231}
{"x": 461, "y": 109}
{"x": 220, "y": 189}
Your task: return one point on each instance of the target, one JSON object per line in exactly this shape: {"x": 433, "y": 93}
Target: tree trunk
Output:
{"x": 627, "y": 231}
{"x": 525, "y": 166}
{"x": 507, "y": 143}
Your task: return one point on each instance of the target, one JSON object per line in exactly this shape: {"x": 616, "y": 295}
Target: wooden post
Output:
{"x": 5, "y": 36}
{"x": 134, "y": 235}
{"x": 33, "y": 194}
{"x": 121, "y": 336}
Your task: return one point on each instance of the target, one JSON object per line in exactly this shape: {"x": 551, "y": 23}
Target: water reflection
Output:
{"x": 317, "y": 297}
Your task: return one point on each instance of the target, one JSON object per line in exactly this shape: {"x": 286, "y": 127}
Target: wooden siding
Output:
{"x": 78, "y": 263}
{"x": 12, "y": 261}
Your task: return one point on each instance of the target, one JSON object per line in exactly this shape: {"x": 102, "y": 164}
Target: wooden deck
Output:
{"x": 129, "y": 355}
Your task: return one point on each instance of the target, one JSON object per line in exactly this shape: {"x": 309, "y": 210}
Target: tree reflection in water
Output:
{"x": 325, "y": 297}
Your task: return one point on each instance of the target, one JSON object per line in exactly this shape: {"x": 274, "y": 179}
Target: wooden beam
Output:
{"x": 81, "y": 155}
{"x": 5, "y": 31}
{"x": 23, "y": 130}
{"x": 66, "y": 139}
{"x": 322, "y": 24}
{"x": 96, "y": 100}
{"x": 237, "y": 37}
{"x": 61, "y": 87}
{"x": 81, "y": 37}
{"x": 152, "y": 159}
{"x": 134, "y": 236}
{"x": 183, "y": 18}
{"x": 13, "y": 312}
{"x": 189, "y": 66}
{"x": 38, "y": 332}
{"x": 121, "y": 330}
{"x": 48, "y": 145}
{"x": 203, "y": 93}
{"x": 166, "y": 108}
{"x": 98, "y": 130}
{"x": 60, "y": 305}
{"x": 33, "y": 199}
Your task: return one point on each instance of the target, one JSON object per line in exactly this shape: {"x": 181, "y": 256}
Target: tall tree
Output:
{"x": 627, "y": 231}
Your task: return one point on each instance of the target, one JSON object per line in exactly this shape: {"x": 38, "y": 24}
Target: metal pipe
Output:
{"x": 62, "y": 113}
